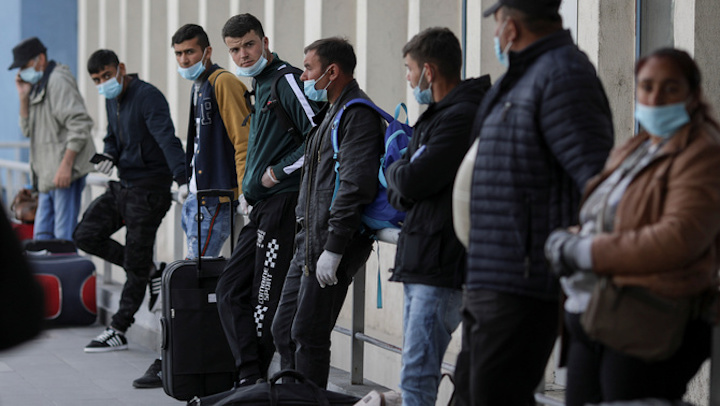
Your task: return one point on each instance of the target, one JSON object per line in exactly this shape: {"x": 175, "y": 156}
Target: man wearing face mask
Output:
{"x": 215, "y": 157}
{"x": 53, "y": 116}
{"x": 544, "y": 129}
{"x": 217, "y": 139}
{"x": 421, "y": 183}
{"x": 141, "y": 143}
{"x": 249, "y": 288}
{"x": 330, "y": 246}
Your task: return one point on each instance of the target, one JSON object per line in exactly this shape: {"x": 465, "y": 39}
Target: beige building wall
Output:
{"x": 140, "y": 31}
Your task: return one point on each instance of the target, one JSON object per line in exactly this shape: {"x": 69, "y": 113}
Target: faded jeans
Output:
{"x": 430, "y": 316}
{"x": 215, "y": 226}
{"x": 58, "y": 211}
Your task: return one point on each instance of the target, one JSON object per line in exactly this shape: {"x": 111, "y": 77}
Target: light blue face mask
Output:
{"x": 253, "y": 70}
{"x": 423, "y": 96}
{"x": 662, "y": 121}
{"x": 194, "y": 71}
{"x": 501, "y": 54}
{"x": 318, "y": 95}
{"x": 110, "y": 89}
{"x": 30, "y": 75}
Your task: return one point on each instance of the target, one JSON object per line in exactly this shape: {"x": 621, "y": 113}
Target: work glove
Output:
{"x": 106, "y": 166}
{"x": 182, "y": 193}
{"x": 268, "y": 179}
{"x": 243, "y": 207}
{"x": 326, "y": 270}
{"x": 563, "y": 250}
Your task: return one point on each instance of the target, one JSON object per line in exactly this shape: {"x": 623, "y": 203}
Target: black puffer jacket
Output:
{"x": 428, "y": 251}
{"x": 545, "y": 128}
{"x": 361, "y": 142}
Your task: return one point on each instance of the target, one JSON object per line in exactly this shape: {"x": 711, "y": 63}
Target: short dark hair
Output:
{"x": 100, "y": 59}
{"x": 539, "y": 25}
{"x": 334, "y": 50}
{"x": 241, "y": 24}
{"x": 188, "y": 32}
{"x": 437, "y": 45}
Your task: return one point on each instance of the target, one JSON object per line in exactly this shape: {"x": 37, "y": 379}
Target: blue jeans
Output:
{"x": 215, "y": 226}
{"x": 58, "y": 211}
{"x": 430, "y": 316}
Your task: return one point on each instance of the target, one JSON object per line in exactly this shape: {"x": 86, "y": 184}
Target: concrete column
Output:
{"x": 697, "y": 31}
{"x": 381, "y": 33}
{"x": 607, "y": 35}
{"x": 287, "y": 37}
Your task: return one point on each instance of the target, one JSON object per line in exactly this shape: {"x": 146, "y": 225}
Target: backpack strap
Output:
{"x": 336, "y": 126}
{"x": 248, "y": 100}
{"x": 275, "y": 105}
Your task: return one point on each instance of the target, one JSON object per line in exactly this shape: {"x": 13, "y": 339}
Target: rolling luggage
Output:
{"x": 67, "y": 279}
{"x": 196, "y": 358}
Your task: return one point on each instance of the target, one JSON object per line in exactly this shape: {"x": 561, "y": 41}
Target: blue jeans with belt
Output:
{"x": 215, "y": 226}
{"x": 431, "y": 314}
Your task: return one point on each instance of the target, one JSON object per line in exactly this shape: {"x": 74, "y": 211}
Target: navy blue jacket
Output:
{"x": 141, "y": 137}
{"x": 220, "y": 161}
{"x": 545, "y": 128}
{"x": 428, "y": 251}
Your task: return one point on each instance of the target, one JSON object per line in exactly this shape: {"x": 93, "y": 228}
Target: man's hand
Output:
{"x": 63, "y": 176}
{"x": 268, "y": 179}
{"x": 326, "y": 270}
{"x": 182, "y": 193}
{"x": 23, "y": 87}
{"x": 243, "y": 207}
{"x": 106, "y": 166}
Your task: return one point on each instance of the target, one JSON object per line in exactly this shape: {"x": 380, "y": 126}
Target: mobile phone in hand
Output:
{"x": 97, "y": 158}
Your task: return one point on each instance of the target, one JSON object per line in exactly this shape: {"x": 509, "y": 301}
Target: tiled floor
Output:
{"x": 53, "y": 370}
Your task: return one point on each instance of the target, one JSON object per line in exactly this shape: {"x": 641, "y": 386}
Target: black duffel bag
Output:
{"x": 302, "y": 392}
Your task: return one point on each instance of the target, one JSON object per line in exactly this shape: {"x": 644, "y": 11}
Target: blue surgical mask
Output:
{"x": 423, "y": 96}
{"x": 194, "y": 71}
{"x": 110, "y": 89}
{"x": 318, "y": 95}
{"x": 501, "y": 54}
{"x": 662, "y": 121}
{"x": 30, "y": 75}
{"x": 253, "y": 70}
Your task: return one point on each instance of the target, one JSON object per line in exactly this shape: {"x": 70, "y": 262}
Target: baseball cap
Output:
{"x": 25, "y": 51}
{"x": 539, "y": 8}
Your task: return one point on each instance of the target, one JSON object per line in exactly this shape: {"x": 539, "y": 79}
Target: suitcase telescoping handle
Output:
{"x": 299, "y": 377}
{"x": 213, "y": 193}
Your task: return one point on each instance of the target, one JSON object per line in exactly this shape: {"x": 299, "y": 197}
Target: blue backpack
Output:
{"x": 379, "y": 213}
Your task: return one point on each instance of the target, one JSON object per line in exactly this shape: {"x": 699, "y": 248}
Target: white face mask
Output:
{"x": 255, "y": 69}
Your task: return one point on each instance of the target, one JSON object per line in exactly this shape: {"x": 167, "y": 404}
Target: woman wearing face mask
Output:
{"x": 646, "y": 255}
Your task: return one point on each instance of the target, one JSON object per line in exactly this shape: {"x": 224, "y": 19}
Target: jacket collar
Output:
{"x": 467, "y": 90}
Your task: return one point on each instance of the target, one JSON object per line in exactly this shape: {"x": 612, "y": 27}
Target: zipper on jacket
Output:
{"x": 506, "y": 108}
{"x": 307, "y": 208}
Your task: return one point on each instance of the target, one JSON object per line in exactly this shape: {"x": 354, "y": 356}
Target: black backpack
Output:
{"x": 274, "y": 104}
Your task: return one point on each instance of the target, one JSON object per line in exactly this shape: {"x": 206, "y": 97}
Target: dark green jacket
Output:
{"x": 270, "y": 144}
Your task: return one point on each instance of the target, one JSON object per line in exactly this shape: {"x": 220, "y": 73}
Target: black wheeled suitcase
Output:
{"x": 196, "y": 358}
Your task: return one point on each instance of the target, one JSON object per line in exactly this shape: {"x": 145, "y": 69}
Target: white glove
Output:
{"x": 243, "y": 207}
{"x": 326, "y": 270}
{"x": 182, "y": 193}
{"x": 106, "y": 166}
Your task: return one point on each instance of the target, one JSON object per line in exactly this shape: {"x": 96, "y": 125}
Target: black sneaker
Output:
{"x": 108, "y": 340}
{"x": 154, "y": 284}
{"x": 152, "y": 377}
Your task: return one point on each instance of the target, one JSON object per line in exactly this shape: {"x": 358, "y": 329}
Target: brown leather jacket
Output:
{"x": 667, "y": 226}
